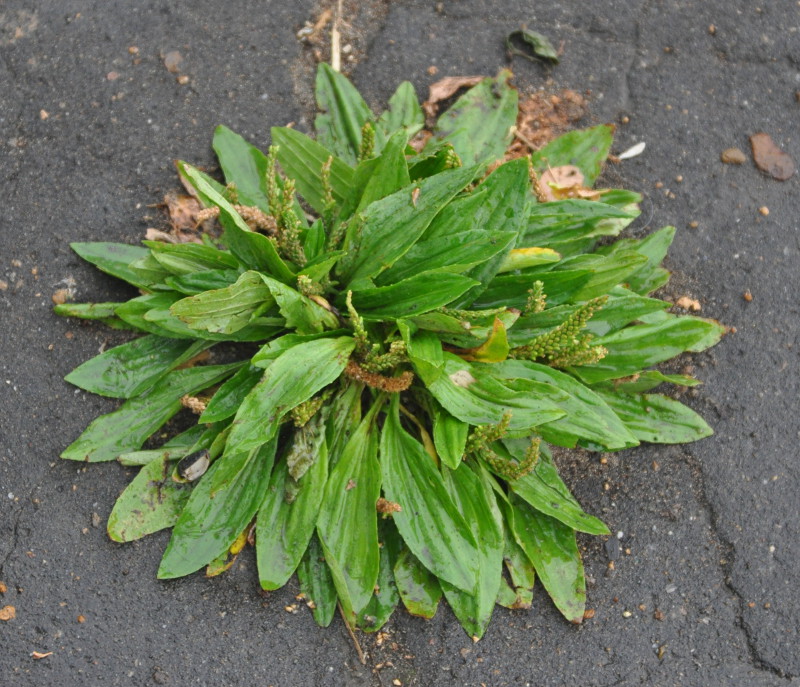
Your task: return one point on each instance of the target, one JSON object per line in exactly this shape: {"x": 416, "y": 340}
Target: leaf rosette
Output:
{"x": 427, "y": 322}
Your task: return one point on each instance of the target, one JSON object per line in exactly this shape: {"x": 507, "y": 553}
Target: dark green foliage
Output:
{"x": 410, "y": 356}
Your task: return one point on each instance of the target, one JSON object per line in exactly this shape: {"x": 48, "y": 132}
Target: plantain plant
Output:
{"x": 416, "y": 327}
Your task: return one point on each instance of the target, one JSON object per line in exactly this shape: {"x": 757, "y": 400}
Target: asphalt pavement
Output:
{"x": 703, "y": 589}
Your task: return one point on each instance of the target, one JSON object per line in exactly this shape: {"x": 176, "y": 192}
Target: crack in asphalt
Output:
{"x": 730, "y": 553}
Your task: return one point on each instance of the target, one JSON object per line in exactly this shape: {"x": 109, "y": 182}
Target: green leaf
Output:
{"x": 316, "y": 583}
{"x": 193, "y": 439}
{"x": 418, "y": 588}
{"x": 344, "y": 419}
{"x": 302, "y": 160}
{"x": 348, "y": 521}
{"x": 456, "y": 253}
{"x": 561, "y": 221}
{"x": 551, "y": 547}
{"x": 127, "y": 370}
{"x": 301, "y": 313}
{"x": 587, "y": 417}
{"x": 127, "y": 428}
{"x": 151, "y": 502}
{"x": 225, "y": 311}
{"x": 395, "y": 223}
{"x": 101, "y": 312}
{"x": 413, "y": 296}
{"x": 404, "y": 113}
{"x": 474, "y": 498}
{"x": 197, "y": 282}
{"x": 227, "y": 399}
{"x": 540, "y": 46}
{"x": 645, "y": 381}
{"x": 449, "y": 437}
{"x": 288, "y": 515}
{"x": 519, "y": 594}
{"x": 186, "y": 258}
{"x": 474, "y": 396}
{"x": 243, "y": 165}
{"x": 380, "y": 176}
{"x": 654, "y": 247}
{"x": 634, "y": 348}
{"x": 209, "y": 525}
{"x": 587, "y": 149}
{"x": 117, "y": 259}
{"x": 385, "y": 599}
{"x": 478, "y": 125}
{"x": 293, "y": 377}
{"x": 252, "y": 249}
{"x": 543, "y": 490}
{"x": 429, "y": 522}
{"x": 343, "y": 113}
{"x": 511, "y": 290}
{"x": 607, "y": 272}
{"x": 657, "y": 418}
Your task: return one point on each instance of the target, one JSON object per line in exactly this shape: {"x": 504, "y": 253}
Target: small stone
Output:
{"x": 433, "y": 69}
{"x": 8, "y": 613}
{"x": 43, "y": 114}
{"x": 764, "y": 210}
{"x": 96, "y": 520}
{"x": 747, "y": 295}
{"x": 60, "y": 296}
{"x": 658, "y": 614}
{"x": 172, "y": 61}
{"x": 133, "y": 50}
{"x": 694, "y": 224}
{"x": 712, "y": 29}
{"x": 81, "y": 619}
{"x": 112, "y": 76}
{"x": 626, "y": 614}
{"x": 588, "y": 614}
{"x": 182, "y": 79}
{"x": 733, "y": 156}
{"x": 3, "y": 588}
{"x": 3, "y": 285}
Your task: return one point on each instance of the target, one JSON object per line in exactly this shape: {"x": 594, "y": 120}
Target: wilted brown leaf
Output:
{"x": 444, "y": 88}
{"x": 559, "y": 183}
{"x": 771, "y": 159}
{"x": 544, "y": 116}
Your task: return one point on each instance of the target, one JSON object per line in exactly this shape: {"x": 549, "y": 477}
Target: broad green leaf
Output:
{"x": 314, "y": 241}
{"x": 344, "y": 419}
{"x": 634, "y": 348}
{"x": 539, "y": 46}
{"x": 198, "y": 282}
{"x": 225, "y": 402}
{"x": 573, "y": 219}
{"x": 418, "y": 588}
{"x": 551, "y": 547}
{"x": 342, "y": 114}
{"x": 413, "y": 296}
{"x": 494, "y": 350}
{"x": 523, "y": 576}
{"x": 645, "y": 381}
{"x": 316, "y": 583}
{"x": 474, "y": 396}
{"x": 543, "y": 490}
{"x": 151, "y": 502}
{"x": 193, "y": 439}
{"x": 127, "y": 428}
{"x": 587, "y": 149}
{"x": 161, "y": 319}
{"x": 511, "y": 290}
{"x": 293, "y": 377}
{"x": 127, "y": 370}
{"x": 587, "y": 415}
{"x": 449, "y": 437}
{"x": 657, "y": 418}
{"x": 208, "y": 526}
{"x": 478, "y": 125}
{"x": 225, "y": 311}
{"x": 287, "y": 517}
{"x": 117, "y": 259}
{"x": 348, "y": 520}
{"x": 319, "y": 268}
{"x": 302, "y": 159}
{"x": 654, "y": 247}
{"x": 404, "y": 112}
{"x": 186, "y": 258}
{"x": 523, "y": 258}
{"x": 457, "y": 253}
{"x": 101, "y": 312}
{"x": 243, "y": 165}
{"x": 474, "y": 499}
{"x": 395, "y": 223}
{"x": 301, "y": 313}
{"x": 429, "y": 522}
{"x": 253, "y": 250}
{"x": 607, "y": 272}
{"x": 381, "y": 176}
{"x": 385, "y": 598}
{"x": 279, "y": 345}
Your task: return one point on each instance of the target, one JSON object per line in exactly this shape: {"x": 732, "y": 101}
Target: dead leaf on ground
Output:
{"x": 566, "y": 181}
{"x": 444, "y": 88}
{"x": 688, "y": 303}
{"x": 36, "y": 655}
{"x": 8, "y": 613}
{"x": 544, "y": 116}
{"x": 183, "y": 213}
{"x": 771, "y": 159}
